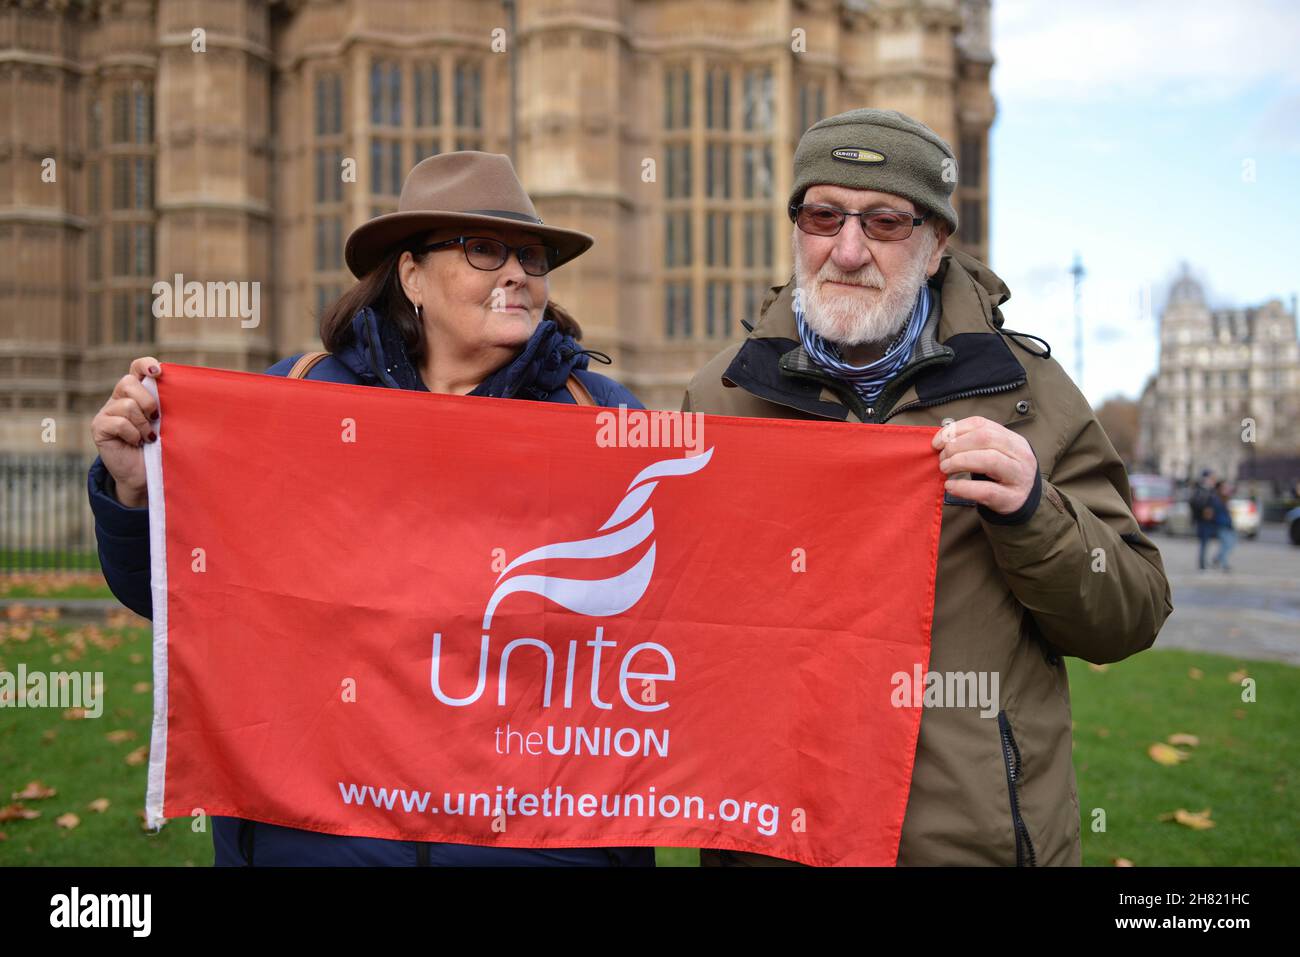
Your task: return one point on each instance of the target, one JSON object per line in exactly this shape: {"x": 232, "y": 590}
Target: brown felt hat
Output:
{"x": 466, "y": 188}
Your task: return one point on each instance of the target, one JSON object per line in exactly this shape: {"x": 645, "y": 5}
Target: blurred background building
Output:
{"x": 1227, "y": 393}
{"x": 209, "y": 139}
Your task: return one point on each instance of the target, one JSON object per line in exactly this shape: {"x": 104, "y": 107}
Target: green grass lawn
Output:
{"x": 76, "y": 758}
{"x": 80, "y": 559}
{"x": 1243, "y": 769}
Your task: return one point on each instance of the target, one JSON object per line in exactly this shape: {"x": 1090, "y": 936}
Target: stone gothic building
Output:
{"x": 145, "y": 139}
{"x": 1227, "y": 390}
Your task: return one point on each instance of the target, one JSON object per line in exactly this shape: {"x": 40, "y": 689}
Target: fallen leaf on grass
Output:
{"x": 16, "y": 812}
{"x": 1103, "y": 732}
{"x": 1164, "y": 754}
{"x": 49, "y": 735}
{"x": 120, "y": 619}
{"x": 1098, "y": 668}
{"x": 139, "y": 756}
{"x": 1237, "y": 677}
{"x": 142, "y": 687}
{"x": 68, "y": 820}
{"x": 72, "y": 714}
{"x": 1190, "y": 740}
{"x": 99, "y": 805}
{"x": 35, "y": 791}
{"x": 1196, "y": 674}
{"x": 1196, "y": 820}
{"x": 21, "y": 633}
{"x": 1122, "y": 862}
{"x": 117, "y": 737}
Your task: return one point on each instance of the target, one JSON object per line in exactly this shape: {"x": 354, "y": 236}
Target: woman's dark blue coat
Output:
{"x": 375, "y": 356}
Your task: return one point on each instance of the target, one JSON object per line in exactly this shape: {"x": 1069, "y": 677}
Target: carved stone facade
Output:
{"x": 213, "y": 140}
{"x": 1227, "y": 389}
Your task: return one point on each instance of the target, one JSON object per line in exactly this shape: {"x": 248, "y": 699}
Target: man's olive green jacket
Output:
{"x": 1074, "y": 577}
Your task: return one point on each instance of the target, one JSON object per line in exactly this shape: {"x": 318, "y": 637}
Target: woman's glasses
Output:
{"x": 536, "y": 259}
{"x": 887, "y": 225}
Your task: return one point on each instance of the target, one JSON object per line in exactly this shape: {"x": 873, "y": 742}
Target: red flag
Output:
{"x": 428, "y": 617}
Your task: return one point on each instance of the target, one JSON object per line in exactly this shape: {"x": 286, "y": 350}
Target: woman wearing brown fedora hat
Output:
{"x": 452, "y": 296}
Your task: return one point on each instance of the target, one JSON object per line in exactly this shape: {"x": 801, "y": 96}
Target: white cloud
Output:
{"x": 1178, "y": 52}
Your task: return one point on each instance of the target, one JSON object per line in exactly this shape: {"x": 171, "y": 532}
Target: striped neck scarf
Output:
{"x": 869, "y": 380}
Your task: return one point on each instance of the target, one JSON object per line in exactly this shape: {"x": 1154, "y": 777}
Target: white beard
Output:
{"x": 848, "y": 317}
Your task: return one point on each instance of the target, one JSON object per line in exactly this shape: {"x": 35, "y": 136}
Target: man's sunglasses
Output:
{"x": 536, "y": 259}
{"x": 887, "y": 225}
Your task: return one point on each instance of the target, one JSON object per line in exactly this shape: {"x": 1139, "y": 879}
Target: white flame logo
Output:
{"x": 607, "y": 596}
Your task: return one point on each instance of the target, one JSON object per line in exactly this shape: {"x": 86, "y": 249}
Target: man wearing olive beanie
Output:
{"x": 882, "y": 323}
{"x": 895, "y": 154}
{"x": 862, "y": 313}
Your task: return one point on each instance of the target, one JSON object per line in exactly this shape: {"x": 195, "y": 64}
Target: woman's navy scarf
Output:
{"x": 542, "y": 366}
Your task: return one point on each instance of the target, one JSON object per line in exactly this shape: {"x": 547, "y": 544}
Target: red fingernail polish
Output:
{"x": 152, "y": 436}
{"x": 154, "y": 417}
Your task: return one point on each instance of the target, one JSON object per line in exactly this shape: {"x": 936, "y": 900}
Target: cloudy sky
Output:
{"x": 1141, "y": 135}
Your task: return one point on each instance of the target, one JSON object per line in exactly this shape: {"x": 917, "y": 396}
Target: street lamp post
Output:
{"x": 1077, "y": 272}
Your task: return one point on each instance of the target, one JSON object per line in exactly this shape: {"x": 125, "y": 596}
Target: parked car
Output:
{"x": 1293, "y": 526}
{"x": 1245, "y": 516}
{"x": 1153, "y": 497}
{"x": 1178, "y": 521}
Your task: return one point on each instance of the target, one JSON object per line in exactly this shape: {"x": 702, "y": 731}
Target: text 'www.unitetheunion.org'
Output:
{"x": 557, "y": 802}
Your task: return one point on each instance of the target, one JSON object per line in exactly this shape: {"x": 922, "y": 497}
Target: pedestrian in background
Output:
{"x": 1202, "y": 505}
{"x": 1224, "y": 529}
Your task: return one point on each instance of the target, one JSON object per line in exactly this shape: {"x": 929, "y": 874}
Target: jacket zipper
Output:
{"x": 882, "y": 409}
{"x": 375, "y": 366}
{"x": 1011, "y": 758}
{"x": 850, "y": 398}
{"x": 968, "y": 394}
{"x": 867, "y": 413}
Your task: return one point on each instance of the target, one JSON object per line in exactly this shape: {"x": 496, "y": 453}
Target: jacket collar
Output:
{"x": 376, "y": 355}
{"x": 960, "y": 349}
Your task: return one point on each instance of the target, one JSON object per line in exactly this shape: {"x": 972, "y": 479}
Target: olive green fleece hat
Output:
{"x": 881, "y": 150}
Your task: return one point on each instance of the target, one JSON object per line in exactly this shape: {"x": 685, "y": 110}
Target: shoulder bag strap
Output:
{"x": 581, "y": 395}
{"x": 306, "y": 362}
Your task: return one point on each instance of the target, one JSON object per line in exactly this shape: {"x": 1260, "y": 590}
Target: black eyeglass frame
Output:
{"x": 552, "y": 254}
{"x": 844, "y": 218}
